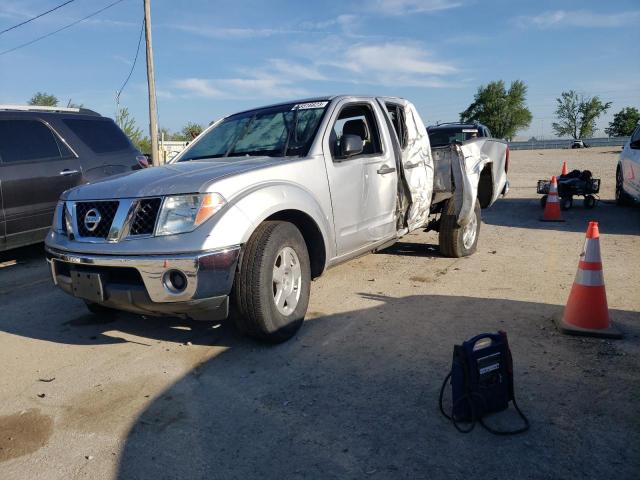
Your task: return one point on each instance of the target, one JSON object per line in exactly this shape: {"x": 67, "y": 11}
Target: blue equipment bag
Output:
{"x": 481, "y": 382}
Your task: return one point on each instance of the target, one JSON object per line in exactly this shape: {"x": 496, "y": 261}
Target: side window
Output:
{"x": 359, "y": 120}
{"x": 25, "y": 140}
{"x": 100, "y": 135}
{"x": 396, "y": 113}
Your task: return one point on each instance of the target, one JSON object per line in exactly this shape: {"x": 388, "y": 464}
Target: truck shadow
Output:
{"x": 412, "y": 249}
{"x": 526, "y": 213}
{"x": 355, "y": 395}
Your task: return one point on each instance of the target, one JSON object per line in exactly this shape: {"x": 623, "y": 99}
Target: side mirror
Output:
{"x": 350, "y": 145}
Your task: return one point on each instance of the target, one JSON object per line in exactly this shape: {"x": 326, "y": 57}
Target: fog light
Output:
{"x": 175, "y": 281}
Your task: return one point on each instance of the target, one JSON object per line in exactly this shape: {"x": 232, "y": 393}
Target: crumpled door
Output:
{"x": 417, "y": 166}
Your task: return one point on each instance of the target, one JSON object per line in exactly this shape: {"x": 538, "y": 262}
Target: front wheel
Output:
{"x": 456, "y": 241}
{"x": 273, "y": 284}
{"x": 621, "y": 196}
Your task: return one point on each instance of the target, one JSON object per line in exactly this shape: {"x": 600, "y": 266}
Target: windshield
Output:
{"x": 444, "y": 136}
{"x": 284, "y": 130}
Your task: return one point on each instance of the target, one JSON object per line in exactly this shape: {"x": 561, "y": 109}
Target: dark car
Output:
{"x": 445, "y": 133}
{"x": 47, "y": 150}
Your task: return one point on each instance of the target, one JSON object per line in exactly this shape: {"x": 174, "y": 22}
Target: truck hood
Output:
{"x": 171, "y": 179}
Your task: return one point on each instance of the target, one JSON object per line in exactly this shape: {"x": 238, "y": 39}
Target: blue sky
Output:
{"x": 216, "y": 57}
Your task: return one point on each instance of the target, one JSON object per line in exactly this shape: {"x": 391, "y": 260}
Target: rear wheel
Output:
{"x": 566, "y": 203}
{"x": 621, "y": 196}
{"x": 273, "y": 285}
{"x": 589, "y": 201}
{"x": 457, "y": 241}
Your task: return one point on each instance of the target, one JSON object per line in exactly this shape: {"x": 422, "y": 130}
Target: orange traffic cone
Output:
{"x": 565, "y": 170}
{"x": 586, "y": 312}
{"x": 552, "y": 207}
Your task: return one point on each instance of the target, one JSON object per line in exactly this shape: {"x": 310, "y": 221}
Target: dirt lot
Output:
{"x": 354, "y": 395}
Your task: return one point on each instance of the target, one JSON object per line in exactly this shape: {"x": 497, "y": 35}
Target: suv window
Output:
{"x": 101, "y": 136}
{"x": 440, "y": 136}
{"x": 635, "y": 139}
{"x": 24, "y": 140}
{"x": 357, "y": 120}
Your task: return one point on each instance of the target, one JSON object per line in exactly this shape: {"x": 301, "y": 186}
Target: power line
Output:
{"x": 135, "y": 59}
{"x": 60, "y": 29}
{"x": 37, "y": 16}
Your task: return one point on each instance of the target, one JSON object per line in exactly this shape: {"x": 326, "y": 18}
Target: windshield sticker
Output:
{"x": 469, "y": 130}
{"x": 309, "y": 106}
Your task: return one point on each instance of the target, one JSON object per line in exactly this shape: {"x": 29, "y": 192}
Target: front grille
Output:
{"x": 106, "y": 210}
{"x": 144, "y": 218}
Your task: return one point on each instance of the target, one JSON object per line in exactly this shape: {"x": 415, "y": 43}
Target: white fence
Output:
{"x": 559, "y": 143}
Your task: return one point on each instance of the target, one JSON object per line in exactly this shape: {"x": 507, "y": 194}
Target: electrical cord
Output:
{"x": 135, "y": 59}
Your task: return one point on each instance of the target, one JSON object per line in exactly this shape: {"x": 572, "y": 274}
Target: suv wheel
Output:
{"x": 457, "y": 241}
{"x": 273, "y": 285}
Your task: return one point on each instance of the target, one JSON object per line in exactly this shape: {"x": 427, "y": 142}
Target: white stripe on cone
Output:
{"x": 589, "y": 278}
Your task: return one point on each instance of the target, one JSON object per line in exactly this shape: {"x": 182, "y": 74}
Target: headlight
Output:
{"x": 57, "y": 225}
{"x": 183, "y": 213}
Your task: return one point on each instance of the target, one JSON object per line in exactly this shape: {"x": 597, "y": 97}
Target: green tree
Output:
{"x": 128, "y": 125}
{"x": 577, "y": 114}
{"x": 624, "y": 122}
{"x": 504, "y": 112}
{"x": 43, "y": 99}
{"x": 144, "y": 145}
{"x": 191, "y": 130}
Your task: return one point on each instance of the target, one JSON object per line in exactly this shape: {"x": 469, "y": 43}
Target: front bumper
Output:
{"x": 505, "y": 190}
{"x": 137, "y": 283}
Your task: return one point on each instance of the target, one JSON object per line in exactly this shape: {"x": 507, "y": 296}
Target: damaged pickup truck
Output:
{"x": 264, "y": 201}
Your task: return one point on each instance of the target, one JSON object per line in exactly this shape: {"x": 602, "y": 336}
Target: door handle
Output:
{"x": 409, "y": 165}
{"x": 66, "y": 172}
{"x": 383, "y": 170}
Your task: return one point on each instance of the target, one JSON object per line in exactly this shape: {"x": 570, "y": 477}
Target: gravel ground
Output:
{"x": 354, "y": 395}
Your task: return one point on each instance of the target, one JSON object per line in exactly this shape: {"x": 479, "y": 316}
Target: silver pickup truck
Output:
{"x": 264, "y": 201}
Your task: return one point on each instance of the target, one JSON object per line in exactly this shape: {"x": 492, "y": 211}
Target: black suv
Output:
{"x": 445, "y": 133}
{"x": 46, "y": 150}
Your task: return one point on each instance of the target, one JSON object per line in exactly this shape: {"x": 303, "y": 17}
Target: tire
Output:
{"x": 98, "y": 309}
{"x": 256, "y": 287}
{"x": 622, "y": 198}
{"x": 452, "y": 236}
{"x": 543, "y": 201}
{"x": 566, "y": 203}
{"x": 589, "y": 201}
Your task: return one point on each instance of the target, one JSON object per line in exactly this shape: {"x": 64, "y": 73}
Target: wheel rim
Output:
{"x": 469, "y": 232}
{"x": 287, "y": 281}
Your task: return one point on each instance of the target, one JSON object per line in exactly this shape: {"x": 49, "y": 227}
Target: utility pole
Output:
{"x": 153, "y": 110}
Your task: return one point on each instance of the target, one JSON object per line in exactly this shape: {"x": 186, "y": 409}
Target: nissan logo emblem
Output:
{"x": 92, "y": 219}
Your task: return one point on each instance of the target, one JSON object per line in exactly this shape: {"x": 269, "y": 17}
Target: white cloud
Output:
{"x": 345, "y": 21}
{"x": 198, "y": 87}
{"x": 232, "y": 33}
{"x": 396, "y": 58}
{"x": 405, "y": 7}
{"x": 296, "y": 71}
{"x": 579, "y": 18}
{"x": 392, "y": 64}
{"x": 259, "y": 86}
